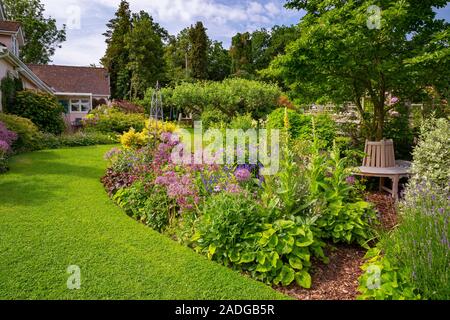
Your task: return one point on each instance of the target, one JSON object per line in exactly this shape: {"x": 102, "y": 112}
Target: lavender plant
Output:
{"x": 421, "y": 243}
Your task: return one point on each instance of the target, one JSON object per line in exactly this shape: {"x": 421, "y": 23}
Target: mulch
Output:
{"x": 338, "y": 280}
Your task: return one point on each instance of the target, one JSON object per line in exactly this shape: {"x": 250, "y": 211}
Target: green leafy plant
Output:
{"x": 111, "y": 120}
{"x": 155, "y": 211}
{"x": 237, "y": 232}
{"x": 301, "y": 126}
{"x": 42, "y": 109}
{"x": 382, "y": 280}
{"x": 29, "y": 136}
{"x": 342, "y": 215}
{"x": 283, "y": 253}
{"x": 9, "y": 87}
{"x": 243, "y": 122}
{"x": 432, "y": 154}
{"x": 212, "y": 118}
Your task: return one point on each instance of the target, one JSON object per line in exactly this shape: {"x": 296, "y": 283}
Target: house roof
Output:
{"x": 73, "y": 79}
{"x": 10, "y": 26}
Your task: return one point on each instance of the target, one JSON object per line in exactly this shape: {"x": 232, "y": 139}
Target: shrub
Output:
{"x": 114, "y": 180}
{"x": 135, "y": 140}
{"x": 382, "y": 280}
{"x": 301, "y": 125}
{"x": 212, "y": 118}
{"x": 432, "y": 154}
{"x": 7, "y": 136}
{"x": 77, "y": 139}
{"x": 110, "y": 120}
{"x": 127, "y": 106}
{"x": 3, "y": 157}
{"x": 399, "y": 129}
{"x": 244, "y": 122}
{"x": 232, "y": 97}
{"x": 9, "y": 87}
{"x": 42, "y": 109}
{"x": 153, "y": 211}
{"x": 29, "y": 136}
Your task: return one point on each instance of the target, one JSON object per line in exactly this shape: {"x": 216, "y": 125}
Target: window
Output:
{"x": 15, "y": 46}
{"x": 80, "y": 105}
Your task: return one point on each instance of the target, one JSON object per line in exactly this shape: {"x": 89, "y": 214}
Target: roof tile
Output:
{"x": 73, "y": 79}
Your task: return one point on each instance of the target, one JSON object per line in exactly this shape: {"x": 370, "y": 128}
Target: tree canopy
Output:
{"x": 198, "y": 52}
{"x": 42, "y": 36}
{"x": 342, "y": 53}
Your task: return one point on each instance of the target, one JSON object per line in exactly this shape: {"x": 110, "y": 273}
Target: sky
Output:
{"x": 86, "y": 21}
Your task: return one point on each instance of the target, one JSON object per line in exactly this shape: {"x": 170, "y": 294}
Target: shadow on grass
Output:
{"x": 36, "y": 178}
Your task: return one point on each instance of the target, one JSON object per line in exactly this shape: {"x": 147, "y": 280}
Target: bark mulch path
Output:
{"x": 338, "y": 280}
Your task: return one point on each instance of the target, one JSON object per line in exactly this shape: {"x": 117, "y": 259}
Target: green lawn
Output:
{"x": 55, "y": 213}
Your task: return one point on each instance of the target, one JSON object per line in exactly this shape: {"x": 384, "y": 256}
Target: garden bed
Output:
{"x": 338, "y": 280}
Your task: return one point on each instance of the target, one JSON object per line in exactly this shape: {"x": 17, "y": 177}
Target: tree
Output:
{"x": 116, "y": 56}
{"x": 146, "y": 54}
{"x": 41, "y": 34}
{"x": 280, "y": 38}
{"x": 343, "y": 53}
{"x": 260, "y": 44}
{"x": 198, "y": 52}
{"x": 219, "y": 62}
{"x": 241, "y": 55}
{"x": 177, "y": 57}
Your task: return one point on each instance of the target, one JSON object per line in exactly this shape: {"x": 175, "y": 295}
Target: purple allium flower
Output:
{"x": 242, "y": 175}
{"x": 351, "y": 180}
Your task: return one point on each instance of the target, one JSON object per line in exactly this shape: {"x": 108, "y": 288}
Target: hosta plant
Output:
{"x": 382, "y": 280}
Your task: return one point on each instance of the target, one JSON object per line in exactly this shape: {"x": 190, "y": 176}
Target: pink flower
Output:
{"x": 4, "y": 146}
{"x": 242, "y": 175}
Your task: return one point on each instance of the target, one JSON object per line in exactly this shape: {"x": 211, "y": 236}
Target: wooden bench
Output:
{"x": 380, "y": 162}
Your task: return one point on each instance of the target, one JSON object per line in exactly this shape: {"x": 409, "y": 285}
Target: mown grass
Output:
{"x": 55, "y": 213}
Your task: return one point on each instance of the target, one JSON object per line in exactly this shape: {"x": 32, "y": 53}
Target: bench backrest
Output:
{"x": 379, "y": 154}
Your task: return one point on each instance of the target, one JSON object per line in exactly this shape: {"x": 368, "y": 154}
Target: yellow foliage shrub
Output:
{"x": 133, "y": 139}
{"x": 136, "y": 140}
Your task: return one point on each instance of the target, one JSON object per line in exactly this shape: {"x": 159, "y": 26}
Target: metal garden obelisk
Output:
{"x": 156, "y": 113}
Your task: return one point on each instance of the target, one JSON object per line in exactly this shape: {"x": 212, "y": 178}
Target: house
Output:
{"x": 79, "y": 89}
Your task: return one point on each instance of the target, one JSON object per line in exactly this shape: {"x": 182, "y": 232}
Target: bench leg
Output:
{"x": 395, "y": 182}
{"x": 381, "y": 184}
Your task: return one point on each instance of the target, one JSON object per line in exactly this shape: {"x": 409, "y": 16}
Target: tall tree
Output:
{"x": 198, "y": 52}
{"x": 177, "y": 57}
{"x": 116, "y": 56}
{"x": 260, "y": 45}
{"x": 146, "y": 54}
{"x": 41, "y": 34}
{"x": 241, "y": 55}
{"x": 348, "y": 50}
{"x": 219, "y": 62}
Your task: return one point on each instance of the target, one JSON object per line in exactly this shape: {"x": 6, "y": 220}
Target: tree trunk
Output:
{"x": 379, "y": 121}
